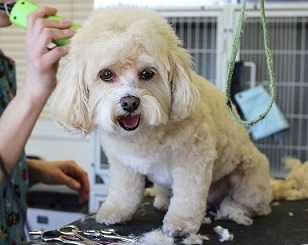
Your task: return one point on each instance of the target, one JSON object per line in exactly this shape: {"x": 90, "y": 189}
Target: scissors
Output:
{"x": 110, "y": 234}
{"x": 67, "y": 235}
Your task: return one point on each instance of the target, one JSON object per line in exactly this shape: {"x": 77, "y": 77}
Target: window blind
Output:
{"x": 12, "y": 39}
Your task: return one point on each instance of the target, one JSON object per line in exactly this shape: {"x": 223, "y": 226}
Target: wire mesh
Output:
{"x": 288, "y": 37}
{"x": 288, "y": 40}
{"x": 199, "y": 36}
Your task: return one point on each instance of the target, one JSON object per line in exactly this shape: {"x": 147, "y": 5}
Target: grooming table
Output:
{"x": 286, "y": 225}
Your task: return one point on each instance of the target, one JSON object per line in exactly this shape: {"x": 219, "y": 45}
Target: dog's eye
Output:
{"x": 106, "y": 75}
{"x": 146, "y": 74}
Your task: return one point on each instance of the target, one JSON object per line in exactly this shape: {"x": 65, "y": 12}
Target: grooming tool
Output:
{"x": 71, "y": 234}
{"x": 19, "y": 11}
{"x": 111, "y": 235}
{"x": 67, "y": 235}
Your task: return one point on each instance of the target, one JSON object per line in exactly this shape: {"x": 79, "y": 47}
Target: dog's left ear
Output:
{"x": 184, "y": 93}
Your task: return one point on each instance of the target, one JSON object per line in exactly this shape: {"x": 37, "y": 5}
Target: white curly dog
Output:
{"x": 128, "y": 75}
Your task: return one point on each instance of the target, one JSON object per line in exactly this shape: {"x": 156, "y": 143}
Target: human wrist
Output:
{"x": 32, "y": 103}
{"x": 35, "y": 96}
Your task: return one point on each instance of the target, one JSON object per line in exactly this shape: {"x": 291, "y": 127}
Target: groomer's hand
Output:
{"x": 41, "y": 61}
{"x": 67, "y": 173}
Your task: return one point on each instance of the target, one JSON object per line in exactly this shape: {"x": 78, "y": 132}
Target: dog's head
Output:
{"x": 126, "y": 70}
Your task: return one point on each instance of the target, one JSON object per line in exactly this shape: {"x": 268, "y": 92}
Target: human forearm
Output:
{"x": 16, "y": 124}
{"x": 19, "y": 117}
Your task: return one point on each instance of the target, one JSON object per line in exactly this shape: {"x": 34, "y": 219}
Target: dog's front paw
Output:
{"x": 180, "y": 226}
{"x": 231, "y": 210}
{"x": 238, "y": 216}
{"x": 109, "y": 214}
{"x": 161, "y": 202}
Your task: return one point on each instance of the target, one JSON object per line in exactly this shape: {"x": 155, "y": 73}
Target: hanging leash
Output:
{"x": 269, "y": 63}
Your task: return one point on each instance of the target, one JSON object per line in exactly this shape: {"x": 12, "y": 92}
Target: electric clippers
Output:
{"x": 19, "y": 11}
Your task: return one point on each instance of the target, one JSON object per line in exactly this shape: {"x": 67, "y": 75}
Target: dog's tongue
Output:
{"x": 130, "y": 122}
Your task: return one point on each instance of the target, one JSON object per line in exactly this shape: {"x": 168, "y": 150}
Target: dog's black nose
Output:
{"x": 130, "y": 103}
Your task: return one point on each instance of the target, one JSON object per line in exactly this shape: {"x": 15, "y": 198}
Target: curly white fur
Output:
{"x": 177, "y": 129}
{"x": 295, "y": 185}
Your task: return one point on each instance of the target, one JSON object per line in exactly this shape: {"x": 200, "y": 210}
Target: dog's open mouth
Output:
{"x": 129, "y": 122}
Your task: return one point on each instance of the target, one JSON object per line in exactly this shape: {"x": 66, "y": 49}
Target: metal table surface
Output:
{"x": 286, "y": 225}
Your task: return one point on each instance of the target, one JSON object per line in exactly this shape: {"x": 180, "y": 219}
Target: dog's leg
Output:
{"x": 192, "y": 175}
{"x": 162, "y": 197}
{"x": 124, "y": 197}
{"x": 251, "y": 197}
{"x": 231, "y": 210}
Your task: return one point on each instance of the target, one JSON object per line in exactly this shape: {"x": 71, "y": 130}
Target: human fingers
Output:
{"x": 69, "y": 181}
{"x": 80, "y": 175}
{"x": 41, "y": 49}
{"x": 36, "y": 20}
{"x": 41, "y": 31}
{"x": 47, "y": 35}
{"x": 83, "y": 196}
{"x": 54, "y": 55}
{"x": 37, "y": 24}
{"x": 84, "y": 188}
{"x": 41, "y": 13}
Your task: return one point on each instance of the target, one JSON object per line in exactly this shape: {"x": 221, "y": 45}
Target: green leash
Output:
{"x": 269, "y": 62}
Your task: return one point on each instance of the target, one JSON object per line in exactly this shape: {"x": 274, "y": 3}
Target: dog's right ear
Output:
{"x": 69, "y": 105}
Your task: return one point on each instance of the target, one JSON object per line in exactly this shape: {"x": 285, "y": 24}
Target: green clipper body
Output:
{"x": 23, "y": 8}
